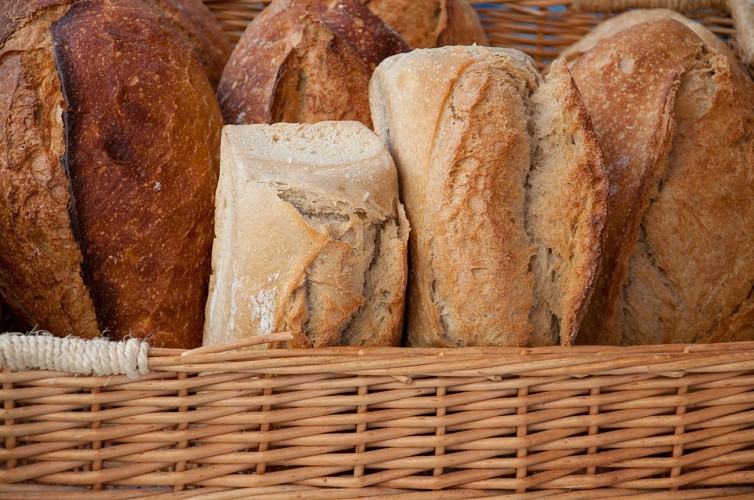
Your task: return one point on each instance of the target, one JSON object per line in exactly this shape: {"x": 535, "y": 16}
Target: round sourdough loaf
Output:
{"x": 109, "y": 148}
{"x": 431, "y": 23}
{"x": 675, "y": 119}
{"x": 306, "y": 61}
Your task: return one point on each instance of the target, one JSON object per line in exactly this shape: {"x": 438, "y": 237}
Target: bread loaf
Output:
{"x": 504, "y": 187}
{"x": 431, "y": 23}
{"x": 110, "y": 146}
{"x": 202, "y": 30}
{"x": 675, "y": 120}
{"x": 304, "y": 61}
{"x": 624, "y": 21}
{"x": 310, "y": 237}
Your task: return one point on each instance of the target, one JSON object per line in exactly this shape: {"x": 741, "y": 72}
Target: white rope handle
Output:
{"x": 41, "y": 351}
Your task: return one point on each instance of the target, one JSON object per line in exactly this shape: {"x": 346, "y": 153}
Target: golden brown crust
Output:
{"x": 190, "y": 18}
{"x": 615, "y": 25}
{"x": 640, "y": 79}
{"x": 567, "y": 208}
{"x": 463, "y": 26}
{"x": 498, "y": 246}
{"x": 141, "y": 195}
{"x": 306, "y": 61}
{"x": 100, "y": 192}
{"x": 431, "y": 23}
{"x": 40, "y": 259}
{"x": 199, "y": 27}
{"x": 679, "y": 260}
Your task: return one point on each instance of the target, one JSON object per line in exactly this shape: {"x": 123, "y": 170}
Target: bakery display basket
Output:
{"x": 101, "y": 419}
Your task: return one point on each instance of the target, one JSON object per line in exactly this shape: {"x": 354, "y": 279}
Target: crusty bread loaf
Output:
{"x": 110, "y": 146}
{"x": 426, "y": 24}
{"x": 200, "y": 27}
{"x": 310, "y": 237}
{"x": 305, "y": 61}
{"x": 624, "y": 21}
{"x": 504, "y": 187}
{"x": 191, "y": 18}
{"x": 676, "y": 123}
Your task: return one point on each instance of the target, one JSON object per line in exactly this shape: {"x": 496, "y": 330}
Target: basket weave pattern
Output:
{"x": 487, "y": 420}
{"x": 566, "y": 423}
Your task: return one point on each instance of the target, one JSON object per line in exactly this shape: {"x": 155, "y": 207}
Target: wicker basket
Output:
{"x": 666, "y": 422}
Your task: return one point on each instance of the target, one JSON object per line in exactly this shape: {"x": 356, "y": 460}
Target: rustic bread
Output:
{"x": 191, "y": 18}
{"x": 431, "y": 23}
{"x": 110, "y": 147}
{"x": 305, "y": 61}
{"x": 310, "y": 237}
{"x": 624, "y": 21}
{"x": 200, "y": 27}
{"x": 676, "y": 123}
{"x": 504, "y": 187}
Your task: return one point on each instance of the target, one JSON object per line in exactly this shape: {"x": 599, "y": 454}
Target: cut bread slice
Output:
{"x": 505, "y": 190}
{"x": 310, "y": 237}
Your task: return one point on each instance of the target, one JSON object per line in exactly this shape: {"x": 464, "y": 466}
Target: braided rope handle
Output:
{"x": 742, "y": 12}
{"x": 41, "y": 351}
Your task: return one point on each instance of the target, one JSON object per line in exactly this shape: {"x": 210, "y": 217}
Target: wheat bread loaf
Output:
{"x": 431, "y": 23}
{"x": 305, "y": 61}
{"x": 109, "y": 147}
{"x": 310, "y": 237}
{"x": 675, "y": 119}
{"x": 505, "y": 191}
{"x": 619, "y": 23}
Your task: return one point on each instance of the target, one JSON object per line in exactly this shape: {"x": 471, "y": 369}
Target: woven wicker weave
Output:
{"x": 664, "y": 422}
{"x": 488, "y": 420}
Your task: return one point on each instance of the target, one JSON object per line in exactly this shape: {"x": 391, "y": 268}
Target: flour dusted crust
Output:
{"x": 109, "y": 171}
{"x": 616, "y": 24}
{"x": 310, "y": 237}
{"x": 504, "y": 189}
{"x": 678, "y": 263}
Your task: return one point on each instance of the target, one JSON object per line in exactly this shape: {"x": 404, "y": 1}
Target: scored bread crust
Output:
{"x": 190, "y": 18}
{"x": 497, "y": 250}
{"x": 678, "y": 263}
{"x": 103, "y": 194}
{"x": 615, "y": 25}
{"x": 431, "y": 23}
{"x": 310, "y": 237}
{"x": 304, "y": 61}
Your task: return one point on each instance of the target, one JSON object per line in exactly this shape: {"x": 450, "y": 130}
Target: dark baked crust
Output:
{"x": 40, "y": 258}
{"x": 306, "y": 61}
{"x": 200, "y": 27}
{"x": 143, "y": 198}
{"x": 110, "y": 150}
{"x": 191, "y": 18}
